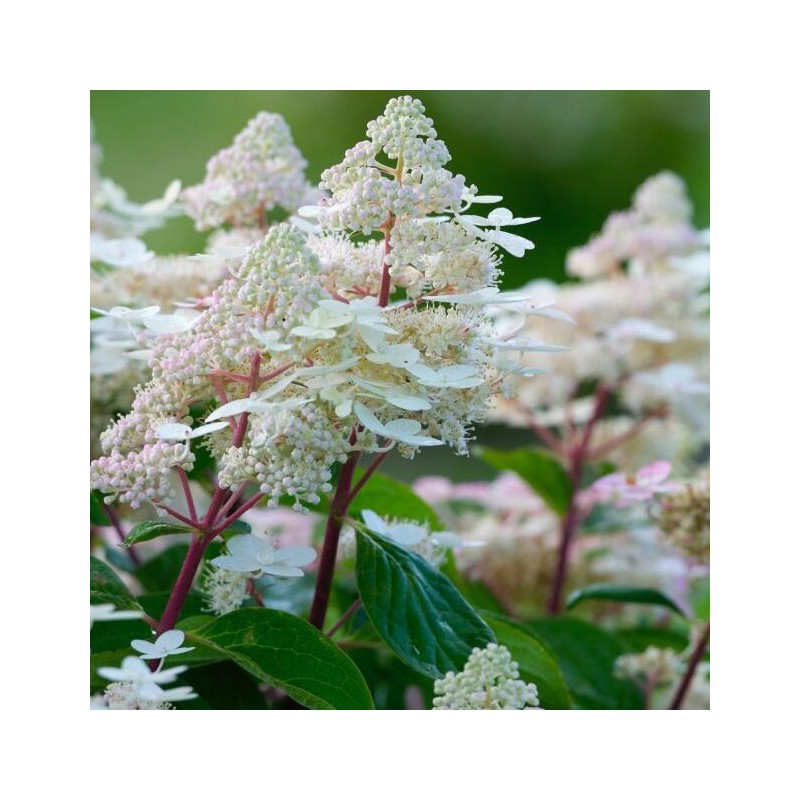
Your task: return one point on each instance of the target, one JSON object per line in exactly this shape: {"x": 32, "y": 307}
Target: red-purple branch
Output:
{"x": 569, "y": 524}
{"x": 386, "y": 279}
{"x": 327, "y": 560}
{"x": 691, "y": 668}
{"x": 211, "y": 524}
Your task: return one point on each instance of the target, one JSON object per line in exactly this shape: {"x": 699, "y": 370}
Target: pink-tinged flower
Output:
{"x": 626, "y": 490}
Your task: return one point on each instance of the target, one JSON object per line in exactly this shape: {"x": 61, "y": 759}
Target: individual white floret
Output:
{"x": 167, "y": 644}
{"x": 257, "y": 556}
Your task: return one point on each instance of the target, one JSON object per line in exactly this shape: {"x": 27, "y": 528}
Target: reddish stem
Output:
{"x": 218, "y": 499}
{"x": 220, "y": 526}
{"x": 234, "y": 498}
{"x": 327, "y": 561}
{"x": 231, "y": 376}
{"x": 569, "y": 523}
{"x": 368, "y": 473}
{"x": 117, "y": 524}
{"x": 346, "y": 616}
{"x": 184, "y": 583}
{"x": 386, "y": 280}
{"x": 694, "y": 662}
{"x": 550, "y": 439}
{"x": 209, "y": 526}
{"x": 612, "y": 444}
{"x": 273, "y": 374}
{"x": 187, "y": 493}
{"x": 219, "y": 387}
{"x": 192, "y": 523}
{"x": 253, "y": 592}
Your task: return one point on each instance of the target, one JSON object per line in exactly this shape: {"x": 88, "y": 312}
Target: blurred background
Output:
{"x": 570, "y": 157}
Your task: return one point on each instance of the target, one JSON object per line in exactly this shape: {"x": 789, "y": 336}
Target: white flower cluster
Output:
{"x": 685, "y": 518}
{"x": 365, "y": 193}
{"x": 261, "y": 170}
{"x": 136, "y": 285}
{"x": 447, "y": 252}
{"x": 641, "y": 319}
{"x": 138, "y": 461}
{"x": 658, "y": 227}
{"x": 489, "y": 681}
{"x": 136, "y": 687}
{"x": 224, "y": 590}
{"x": 653, "y": 669}
{"x": 301, "y": 356}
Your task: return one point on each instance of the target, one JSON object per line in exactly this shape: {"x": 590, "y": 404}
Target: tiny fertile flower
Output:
{"x": 627, "y": 490}
{"x": 168, "y": 644}
{"x": 256, "y": 555}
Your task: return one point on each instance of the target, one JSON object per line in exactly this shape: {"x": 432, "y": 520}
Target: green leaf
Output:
{"x": 161, "y": 571}
{"x": 637, "y": 640}
{"x": 586, "y": 655}
{"x": 106, "y": 587}
{"x": 237, "y": 528}
{"x": 390, "y": 498}
{"x": 617, "y": 593}
{"x": 155, "y": 603}
{"x": 288, "y": 653}
{"x": 394, "y": 684}
{"x": 537, "y": 663}
{"x": 540, "y": 468}
{"x": 224, "y": 686}
{"x": 117, "y": 635}
{"x": 97, "y": 509}
{"x": 475, "y": 592}
{"x": 152, "y": 529}
{"x": 415, "y": 609}
{"x": 700, "y": 599}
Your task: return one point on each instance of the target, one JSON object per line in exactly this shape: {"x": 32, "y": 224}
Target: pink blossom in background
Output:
{"x": 508, "y": 492}
{"x": 625, "y": 490}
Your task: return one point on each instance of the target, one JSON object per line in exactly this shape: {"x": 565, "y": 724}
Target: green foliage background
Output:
{"x": 570, "y": 157}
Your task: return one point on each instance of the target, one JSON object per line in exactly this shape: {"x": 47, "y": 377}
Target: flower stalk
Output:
{"x": 339, "y": 504}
